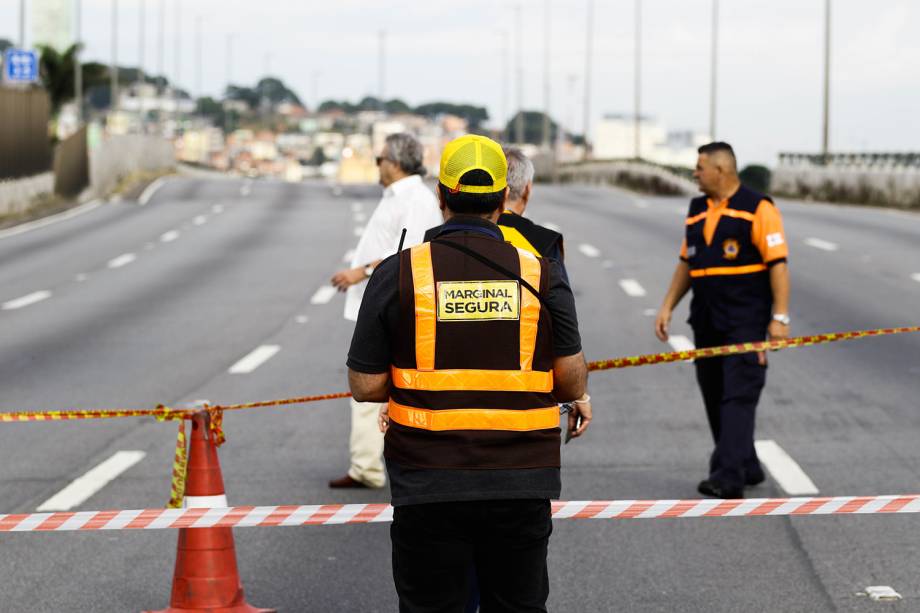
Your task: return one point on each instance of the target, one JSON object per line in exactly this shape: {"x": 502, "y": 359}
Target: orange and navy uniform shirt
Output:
{"x": 730, "y": 247}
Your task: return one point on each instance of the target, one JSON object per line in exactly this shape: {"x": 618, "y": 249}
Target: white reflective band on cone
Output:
{"x": 205, "y": 502}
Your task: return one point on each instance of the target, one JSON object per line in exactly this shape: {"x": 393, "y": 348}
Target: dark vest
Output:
{"x": 540, "y": 240}
{"x": 472, "y": 361}
{"x": 730, "y": 281}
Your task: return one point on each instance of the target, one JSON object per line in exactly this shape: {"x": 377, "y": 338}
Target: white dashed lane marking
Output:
{"x": 123, "y": 260}
{"x": 359, "y": 217}
{"x": 82, "y": 488}
{"x": 168, "y": 237}
{"x": 200, "y": 220}
{"x": 323, "y": 295}
{"x": 254, "y": 359}
{"x": 348, "y": 255}
{"x": 916, "y": 277}
{"x": 589, "y": 250}
{"x": 359, "y": 230}
{"x": 27, "y": 300}
{"x": 821, "y": 244}
{"x": 632, "y": 288}
{"x": 787, "y": 473}
{"x": 217, "y": 209}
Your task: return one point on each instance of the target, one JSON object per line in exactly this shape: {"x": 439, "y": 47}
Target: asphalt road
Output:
{"x": 133, "y": 305}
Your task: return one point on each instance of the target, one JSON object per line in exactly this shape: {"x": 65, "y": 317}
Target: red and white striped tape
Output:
{"x": 336, "y": 514}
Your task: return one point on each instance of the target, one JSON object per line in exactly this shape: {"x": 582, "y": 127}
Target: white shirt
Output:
{"x": 406, "y": 203}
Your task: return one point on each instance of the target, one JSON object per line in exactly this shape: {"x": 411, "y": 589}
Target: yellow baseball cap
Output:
{"x": 473, "y": 152}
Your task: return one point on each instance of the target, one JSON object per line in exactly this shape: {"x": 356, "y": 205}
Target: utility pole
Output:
{"x": 714, "y": 70}
{"x": 506, "y": 75}
{"x": 230, "y": 38}
{"x": 140, "y": 43}
{"x": 198, "y": 83}
{"x": 22, "y": 24}
{"x": 161, "y": 47}
{"x": 589, "y": 36}
{"x": 382, "y": 68}
{"x": 638, "y": 85}
{"x": 113, "y": 71}
{"x": 177, "y": 53}
{"x": 519, "y": 120}
{"x": 78, "y": 66}
{"x": 825, "y": 137}
{"x": 546, "y": 85}
{"x": 316, "y": 74}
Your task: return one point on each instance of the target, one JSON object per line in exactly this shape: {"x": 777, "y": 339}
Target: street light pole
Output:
{"x": 78, "y": 66}
{"x": 713, "y": 82}
{"x": 22, "y": 24}
{"x": 519, "y": 120}
{"x": 230, "y": 38}
{"x": 825, "y": 137}
{"x": 140, "y": 43}
{"x": 382, "y": 67}
{"x": 638, "y": 84}
{"x": 546, "y": 84}
{"x": 198, "y": 82}
{"x": 589, "y": 35}
{"x": 161, "y": 45}
{"x": 113, "y": 71}
{"x": 506, "y": 70}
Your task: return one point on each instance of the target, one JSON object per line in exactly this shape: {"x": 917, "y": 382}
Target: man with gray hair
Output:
{"x": 518, "y": 230}
{"x": 406, "y": 203}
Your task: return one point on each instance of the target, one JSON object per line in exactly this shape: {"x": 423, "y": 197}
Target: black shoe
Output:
{"x": 755, "y": 479}
{"x": 346, "y": 482}
{"x": 717, "y": 490}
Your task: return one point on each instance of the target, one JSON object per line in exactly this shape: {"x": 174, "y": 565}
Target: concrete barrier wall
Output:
{"x": 894, "y": 187}
{"x": 631, "y": 175}
{"x": 116, "y": 157}
{"x": 16, "y": 195}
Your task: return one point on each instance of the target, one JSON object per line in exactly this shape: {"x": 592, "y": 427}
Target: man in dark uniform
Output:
{"x": 734, "y": 258}
{"x": 473, "y": 343}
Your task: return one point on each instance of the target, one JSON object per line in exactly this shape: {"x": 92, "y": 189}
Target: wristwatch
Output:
{"x": 782, "y": 318}
{"x": 369, "y": 270}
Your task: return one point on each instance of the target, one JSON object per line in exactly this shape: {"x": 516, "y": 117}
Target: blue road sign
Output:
{"x": 20, "y": 66}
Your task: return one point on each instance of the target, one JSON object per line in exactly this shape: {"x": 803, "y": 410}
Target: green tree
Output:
{"x": 5, "y": 44}
{"x": 533, "y": 128}
{"x": 58, "y": 74}
{"x": 474, "y": 115}
{"x": 756, "y": 177}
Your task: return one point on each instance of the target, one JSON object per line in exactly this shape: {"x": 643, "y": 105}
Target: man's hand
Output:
{"x": 662, "y": 323}
{"x": 580, "y": 408}
{"x": 344, "y": 279}
{"x": 383, "y": 418}
{"x": 777, "y": 331}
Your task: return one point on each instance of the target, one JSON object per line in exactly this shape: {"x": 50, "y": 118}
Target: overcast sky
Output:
{"x": 770, "y": 60}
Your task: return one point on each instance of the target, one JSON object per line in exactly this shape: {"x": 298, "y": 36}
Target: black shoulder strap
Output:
{"x": 496, "y": 267}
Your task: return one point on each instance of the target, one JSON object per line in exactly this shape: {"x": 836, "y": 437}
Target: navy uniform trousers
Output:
{"x": 731, "y": 387}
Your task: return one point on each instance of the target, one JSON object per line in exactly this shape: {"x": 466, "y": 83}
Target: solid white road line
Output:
{"x": 47, "y": 221}
{"x": 148, "y": 193}
{"x": 323, "y": 295}
{"x": 787, "y": 473}
{"x": 359, "y": 230}
{"x": 821, "y": 244}
{"x": 24, "y": 301}
{"x": 82, "y": 488}
{"x": 123, "y": 260}
{"x": 589, "y": 250}
{"x": 200, "y": 220}
{"x": 254, "y": 359}
{"x": 681, "y": 343}
{"x": 632, "y": 288}
{"x": 916, "y": 277}
{"x": 168, "y": 237}
{"x": 348, "y": 255}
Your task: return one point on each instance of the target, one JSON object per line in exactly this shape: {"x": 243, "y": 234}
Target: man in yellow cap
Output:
{"x": 472, "y": 342}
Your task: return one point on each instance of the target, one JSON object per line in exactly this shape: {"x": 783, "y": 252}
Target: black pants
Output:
{"x": 435, "y": 545}
{"x": 731, "y": 387}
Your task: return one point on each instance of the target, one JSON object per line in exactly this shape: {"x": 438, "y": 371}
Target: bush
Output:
{"x": 756, "y": 177}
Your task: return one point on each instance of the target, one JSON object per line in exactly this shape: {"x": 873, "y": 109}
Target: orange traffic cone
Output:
{"x": 206, "y": 577}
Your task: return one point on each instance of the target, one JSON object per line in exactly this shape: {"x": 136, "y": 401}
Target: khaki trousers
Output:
{"x": 366, "y": 445}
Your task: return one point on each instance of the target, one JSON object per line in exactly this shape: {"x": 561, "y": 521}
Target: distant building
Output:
{"x": 614, "y": 138}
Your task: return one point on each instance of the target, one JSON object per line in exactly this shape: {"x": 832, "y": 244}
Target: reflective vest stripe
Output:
{"x": 475, "y": 419}
{"x": 728, "y": 270}
{"x": 425, "y": 310}
{"x": 473, "y": 380}
{"x": 530, "y": 309}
